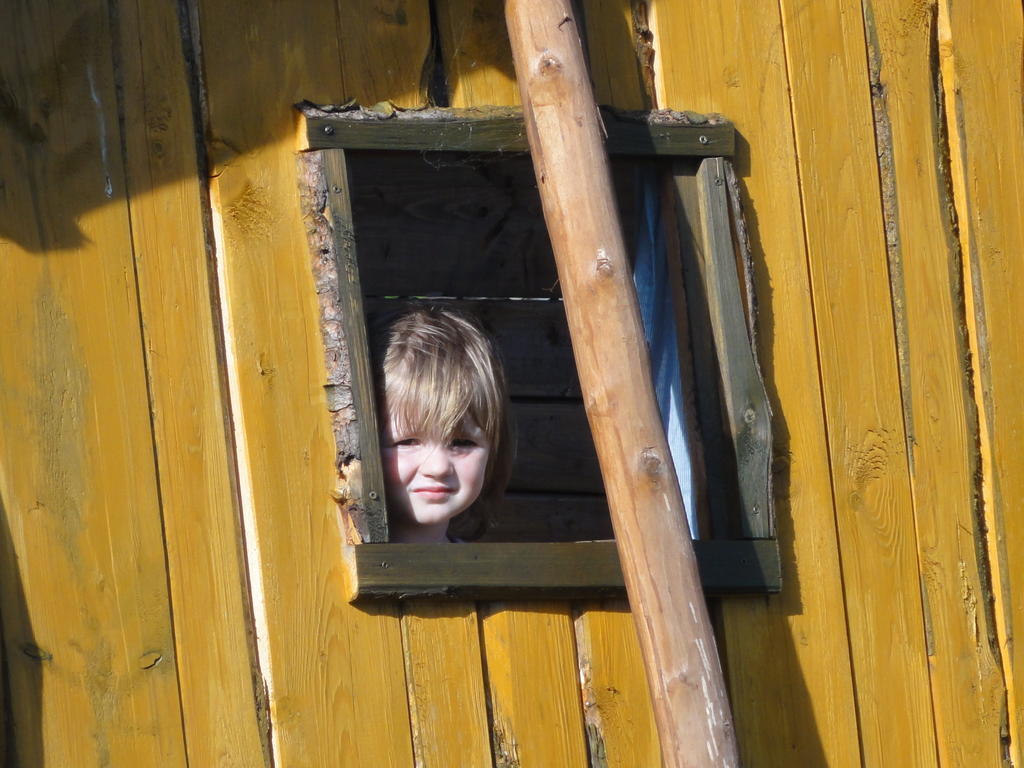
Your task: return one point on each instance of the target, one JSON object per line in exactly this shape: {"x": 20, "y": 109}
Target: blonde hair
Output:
{"x": 435, "y": 368}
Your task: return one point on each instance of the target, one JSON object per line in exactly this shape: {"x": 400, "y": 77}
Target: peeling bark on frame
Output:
{"x": 363, "y": 518}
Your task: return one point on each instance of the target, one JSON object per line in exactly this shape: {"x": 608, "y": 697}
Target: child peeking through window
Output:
{"x": 446, "y": 444}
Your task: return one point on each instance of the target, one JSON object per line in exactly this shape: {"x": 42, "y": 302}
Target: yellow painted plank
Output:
{"x": 966, "y": 678}
{"x": 385, "y": 50}
{"x": 87, "y": 626}
{"x": 196, "y": 472}
{"x": 981, "y": 53}
{"x": 788, "y": 660}
{"x": 447, "y": 700}
{"x": 616, "y": 704}
{"x": 334, "y": 672}
{"x": 620, "y": 53}
{"x": 536, "y": 715}
{"x": 477, "y": 58}
{"x": 826, "y": 56}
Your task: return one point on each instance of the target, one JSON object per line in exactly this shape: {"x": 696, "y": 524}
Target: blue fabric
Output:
{"x": 654, "y": 291}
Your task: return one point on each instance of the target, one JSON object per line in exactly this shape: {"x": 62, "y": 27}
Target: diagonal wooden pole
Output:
{"x": 683, "y": 671}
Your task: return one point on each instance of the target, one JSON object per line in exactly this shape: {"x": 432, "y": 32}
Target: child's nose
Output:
{"x": 437, "y": 463}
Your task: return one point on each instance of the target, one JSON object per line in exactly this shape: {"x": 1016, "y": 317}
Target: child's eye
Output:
{"x": 407, "y": 442}
{"x": 463, "y": 442}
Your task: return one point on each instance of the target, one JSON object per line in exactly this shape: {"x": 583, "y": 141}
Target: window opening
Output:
{"x": 442, "y": 204}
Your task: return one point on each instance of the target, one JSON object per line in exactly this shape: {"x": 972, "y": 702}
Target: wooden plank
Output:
{"x": 616, "y": 704}
{"x": 444, "y": 670}
{"x": 619, "y": 53}
{"x": 350, "y": 377}
{"x": 719, "y": 452}
{"x": 532, "y": 337}
{"x": 498, "y": 129}
{"x": 543, "y": 517}
{"x": 335, "y": 674}
{"x": 385, "y": 50}
{"x": 658, "y": 133}
{"x": 555, "y": 452}
{"x": 532, "y": 570}
{"x": 474, "y": 46}
{"x": 536, "y": 718}
{"x": 839, "y": 180}
{"x": 968, "y": 694}
{"x": 480, "y": 221}
{"x": 212, "y": 618}
{"x": 746, "y": 403}
{"x": 788, "y": 657}
{"x": 91, "y": 669}
{"x": 980, "y": 55}
{"x": 686, "y": 342}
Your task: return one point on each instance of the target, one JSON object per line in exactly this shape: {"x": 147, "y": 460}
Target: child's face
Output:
{"x": 430, "y": 482}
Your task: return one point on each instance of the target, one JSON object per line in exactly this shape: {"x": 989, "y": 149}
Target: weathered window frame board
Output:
{"x": 556, "y": 570}
{"x": 505, "y": 570}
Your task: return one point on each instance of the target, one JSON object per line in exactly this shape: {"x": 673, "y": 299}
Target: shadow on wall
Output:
{"x": 764, "y": 639}
{"x": 22, "y": 665}
{"x": 69, "y": 94}
{"x": 61, "y": 153}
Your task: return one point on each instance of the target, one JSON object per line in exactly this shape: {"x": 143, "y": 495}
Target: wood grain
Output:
{"x": 480, "y": 222}
{"x": 709, "y": 412}
{"x": 966, "y": 679}
{"x": 92, "y": 674}
{"x": 555, "y": 449}
{"x": 746, "y": 404}
{"x": 550, "y": 517}
{"x": 536, "y": 716}
{"x": 694, "y": 723}
{"x": 444, "y": 670}
{"x": 384, "y": 50}
{"x": 205, "y": 556}
{"x": 541, "y": 570}
{"x": 980, "y": 55}
{"x": 335, "y": 674}
{"x": 500, "y": 130}
{"x": 477, "y": 60}
{"x": 616, "y": 705}
{"x": 839, "y": 182}
{"x": 792, "y": 649}
{"x": 618, "y": 53}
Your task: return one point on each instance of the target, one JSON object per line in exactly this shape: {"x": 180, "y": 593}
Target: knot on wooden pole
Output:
{"x": 651, "y": 463}
{"x": 549, "y": 65}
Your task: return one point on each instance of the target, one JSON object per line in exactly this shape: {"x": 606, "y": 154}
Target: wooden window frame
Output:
{"x": 695, "y": 148}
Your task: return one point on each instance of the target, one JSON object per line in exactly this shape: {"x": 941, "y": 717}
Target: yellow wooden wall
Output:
{"x": 170, "y": 584}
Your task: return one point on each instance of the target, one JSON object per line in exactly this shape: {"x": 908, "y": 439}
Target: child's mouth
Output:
{"x": 434, "y": 491}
